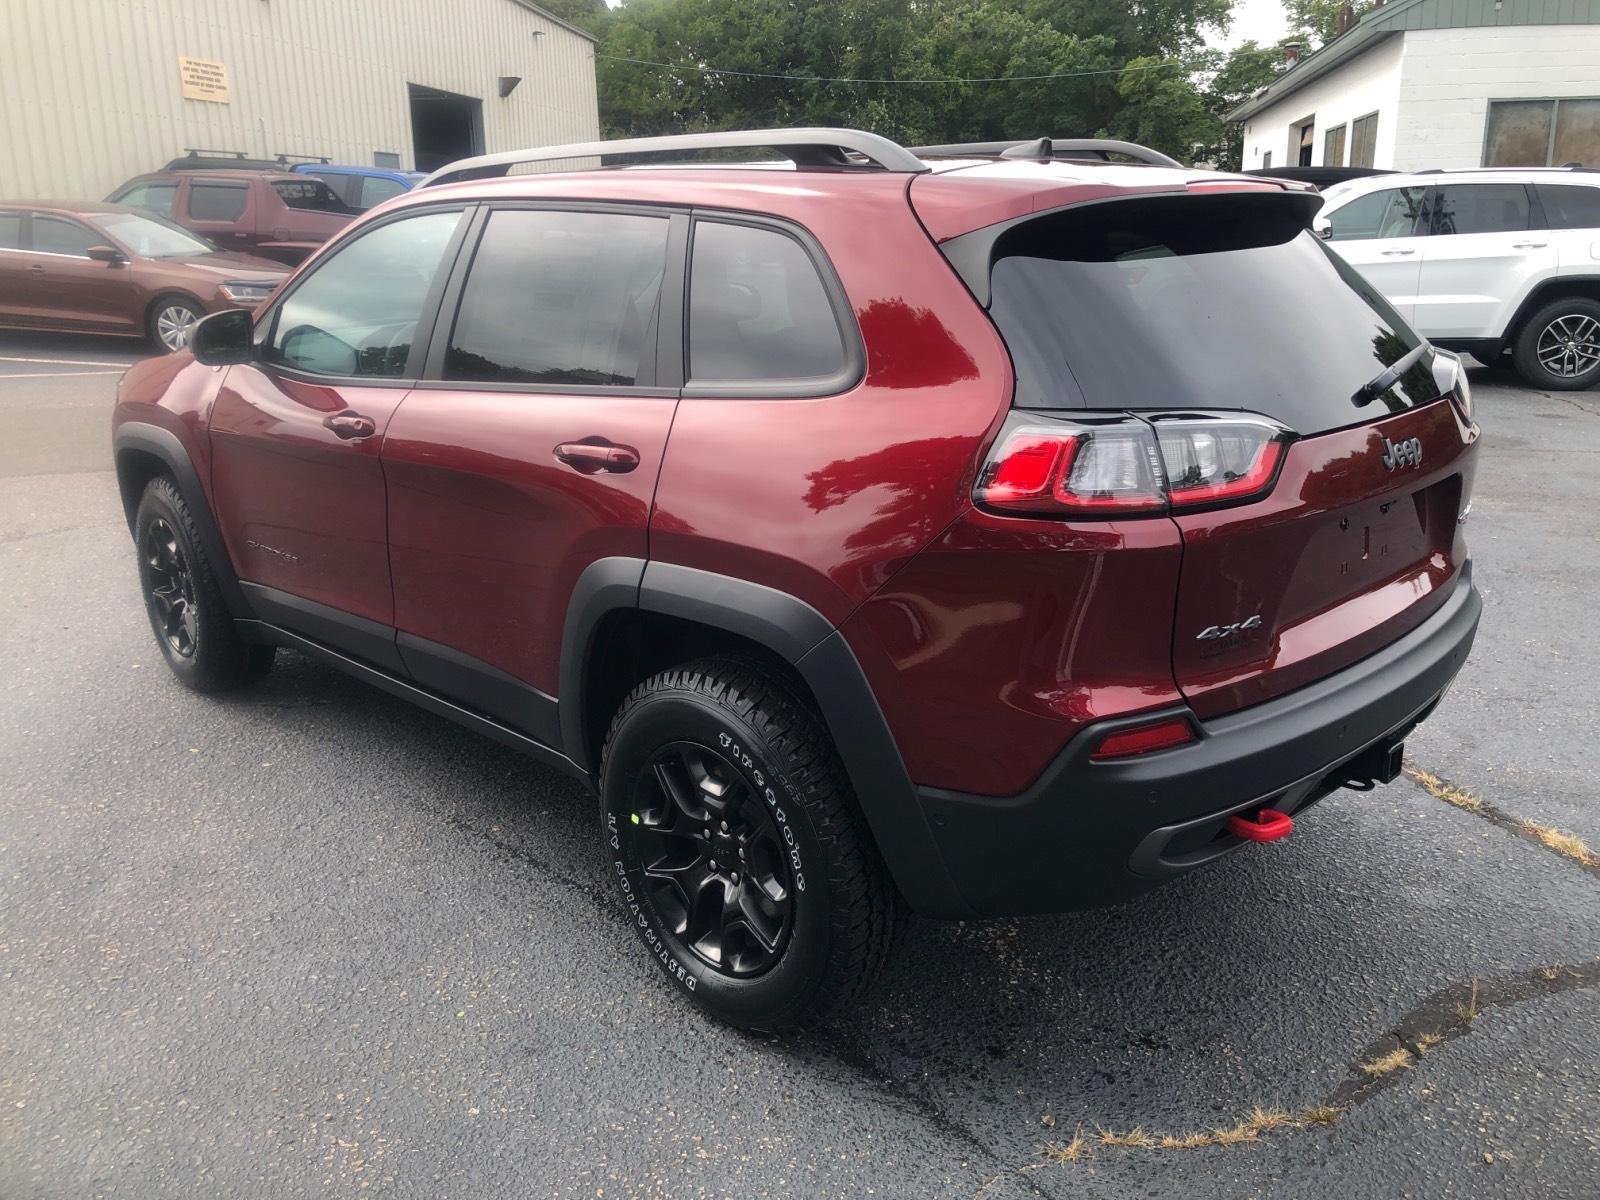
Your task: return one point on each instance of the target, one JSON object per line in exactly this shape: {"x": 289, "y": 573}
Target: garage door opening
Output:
{"x": 444, "y": 126}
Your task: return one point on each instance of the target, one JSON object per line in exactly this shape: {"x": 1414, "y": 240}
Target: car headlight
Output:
{"x": 245, "y": 291}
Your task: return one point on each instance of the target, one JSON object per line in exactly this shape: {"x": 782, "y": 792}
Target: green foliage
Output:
{"x": 1317, "y": 21}
{"x": 1137, "y": 67}
{"x": 1247, "y": 69}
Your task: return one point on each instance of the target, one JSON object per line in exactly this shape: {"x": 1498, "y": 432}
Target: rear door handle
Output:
{"x": 351, "y": 426}
{"x": 1393, "y": 253}
{"x": 36, "y": 269}
{"x": 591, "y": 455}
{"x": 1529, "y": 245}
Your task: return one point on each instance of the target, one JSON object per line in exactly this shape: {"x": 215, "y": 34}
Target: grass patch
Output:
{"x": 1249, "y": 1129}
{"x": 1468, "y": 1013}
{"x": 1388, "y": 1063}
{"x": 1565, "y": 844}
{"x": 1427, "y": 1041}
{"x": 1320, "y": 1114}
{"x": 1069, "y": 1152}
{"x": 1135, "y": 1139}
{"x": 1440, "y": 790}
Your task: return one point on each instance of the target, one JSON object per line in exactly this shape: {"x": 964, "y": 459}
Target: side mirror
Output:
{"x": 1323, "y": 228}
{"x": 107, "y": 254}
{"x": 223, "y": 338}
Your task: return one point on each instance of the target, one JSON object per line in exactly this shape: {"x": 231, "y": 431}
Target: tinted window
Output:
{"x": 561, "y": 298}
{"x": 153, "y": 197}
{"x": 310, "y": 194}
{"x": 217, "y": 201}
{"x": 356, "y": 313}
{"x": 1570, "y": 206}
{"x": 375, "y": 190}
{"x": 1390, "y": 213}
{"x": 1481, "y": 208}
{"x": 10, "y": 230}
{"x": 56, "y": 235}
{"x": 1221, "y": 303}
{"x": 758, "y": 311}
{"x": 343, "y": 186}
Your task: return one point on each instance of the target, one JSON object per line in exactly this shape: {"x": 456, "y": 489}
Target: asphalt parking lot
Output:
{"x": 312, "y": 942}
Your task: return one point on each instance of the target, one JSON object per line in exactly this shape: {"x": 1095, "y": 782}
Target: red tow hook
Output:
{"x": 1268, "y": 825}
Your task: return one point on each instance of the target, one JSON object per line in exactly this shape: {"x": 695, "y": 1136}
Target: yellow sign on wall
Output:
{"x": 203, "y": 79}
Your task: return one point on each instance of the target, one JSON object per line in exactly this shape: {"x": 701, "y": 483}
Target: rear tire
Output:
{"x": 744, "y": 864}
{"x": 193, "y": 627}
{"x": 1558, "y": 347}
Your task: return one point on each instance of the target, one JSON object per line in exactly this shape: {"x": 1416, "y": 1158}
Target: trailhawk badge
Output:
{"x": 1402, "y": 454}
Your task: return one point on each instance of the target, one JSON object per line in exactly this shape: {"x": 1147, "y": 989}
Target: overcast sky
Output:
{"x": 1261, "y": 21}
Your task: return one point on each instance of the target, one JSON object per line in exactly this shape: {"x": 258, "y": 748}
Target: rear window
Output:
{"x": 1570, "y": 206}
{"x": 310, "y": 194}
{"x": 1220, "y": 302}
{"x": 1480, "y": 208}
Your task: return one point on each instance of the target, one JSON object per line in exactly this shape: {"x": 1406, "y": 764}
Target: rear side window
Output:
{"x": 1570, "y": 206}
{"x": 1390, "y": 213}
{"x": 375, "y": 190}
{"x": 1218, "y": 302}
{"x": 56, "y": 235}
{"x": 152, "y": 197}
{"x": 758, "y": 310}
{"x": 217, "y": 201}
{"x": 310, "y": 194}
{"x": 560, "y": 298}
{"x": 356, "y": 313}
{"x": 1480, "y": 208}
{"x": 10, "y": 231}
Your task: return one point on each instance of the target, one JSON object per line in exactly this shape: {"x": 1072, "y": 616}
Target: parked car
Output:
{"x": 981, "y": 535}
{"x": 1492, "y": 262}
{"x": 1319, "y": 177}
{"x": 102, "y": 268}
{"x": 362, "y": 187}
{"x": 277, "y": 215}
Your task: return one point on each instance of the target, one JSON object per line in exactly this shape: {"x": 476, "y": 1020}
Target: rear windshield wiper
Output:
{"x": 1390, "y": 375}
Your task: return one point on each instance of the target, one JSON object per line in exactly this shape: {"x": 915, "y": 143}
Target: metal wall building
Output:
{"x": 95, "y": 91}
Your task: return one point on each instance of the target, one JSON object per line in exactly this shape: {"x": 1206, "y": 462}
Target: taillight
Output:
{"x": 1144, "y": 739}
{"x": 1131, "y": 466}
{"x": 1450, "y": 375}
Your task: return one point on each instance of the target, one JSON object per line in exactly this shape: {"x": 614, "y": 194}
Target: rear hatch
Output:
{"x": 1305, "y": 547}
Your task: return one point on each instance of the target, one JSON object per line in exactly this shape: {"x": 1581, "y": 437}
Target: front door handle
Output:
{"x": 351, "y": 426}
{"x": 1396, "y": 251}
{"x": 36, "y": 269}
{"x": 1529, "y": 245}
{"x": 591, "y": 455}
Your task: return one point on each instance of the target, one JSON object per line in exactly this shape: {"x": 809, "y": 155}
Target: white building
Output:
{"x": 1439, "y": 83}
{"x": 96, "y": 91}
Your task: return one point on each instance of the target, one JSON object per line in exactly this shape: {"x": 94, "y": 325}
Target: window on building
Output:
{"x": 217, "y": 201}
{"x": 1566, "y": 205}
{"x": 357, "y": 311}
{"x": 560, "y": 298}
{"x": 1304, "y": 139}
{"x": 1480, "y": 208}
{"x": 1542, "y": 133}
{"x": 1266, "y": 160}
{"x": 1333, "y": 147}
{"x": 1364, "y": 141}
{"x": 1391, "y": 213}
{"x": 57, "y": 235}
{"x": 152, "y": 197}
{"x": 757, "y": 309}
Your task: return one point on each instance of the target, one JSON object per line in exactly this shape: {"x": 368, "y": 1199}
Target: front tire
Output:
{"x": 1558, "y": 347}
{"x": 742, "y": 859}
{"x": 193, "y": 627}
{"x": 171, "y": 321}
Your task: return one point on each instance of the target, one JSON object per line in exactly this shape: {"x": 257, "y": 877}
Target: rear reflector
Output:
{"x": 1131, "y": 466}
{"x": 1143, "y": 739}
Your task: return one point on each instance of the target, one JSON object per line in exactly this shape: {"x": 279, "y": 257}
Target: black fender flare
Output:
{"x": 142, "y": 437}
{"x": 809, "y": 642}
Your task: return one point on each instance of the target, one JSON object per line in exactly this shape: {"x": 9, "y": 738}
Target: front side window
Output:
{"x": 10, "y": 231}
{"x": 1481, "y": 208}
{"x": 1364, "y": 141}
{"x": 356, "y": 313}
{"x": 758, "y": 310}
{"x": 563, "y": 298}
{"x": 217, "y": 201}
{"x": 310, "y": 194}
{"x": 1570, "y": 206}
{"x": 57, "y": 235}
{"x": 1390, "y": 213}
{"x": 152, "y": 197}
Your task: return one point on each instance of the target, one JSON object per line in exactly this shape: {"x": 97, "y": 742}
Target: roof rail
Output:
{"x": 1567, "y": 166}
{"x": 1079, "y": 149}
{"x": 806, "y": 147}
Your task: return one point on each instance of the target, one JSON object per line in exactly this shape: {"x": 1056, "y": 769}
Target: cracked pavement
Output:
{"x": 311, "y": 942}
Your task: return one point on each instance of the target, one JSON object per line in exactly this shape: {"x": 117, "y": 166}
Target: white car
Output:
{"x": 1490, "y": 262}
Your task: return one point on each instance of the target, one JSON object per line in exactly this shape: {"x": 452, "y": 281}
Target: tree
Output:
{"x": 1163, "y": 110}
{"x": 1317, "y": 21}
{"x": 1247, "y": 69}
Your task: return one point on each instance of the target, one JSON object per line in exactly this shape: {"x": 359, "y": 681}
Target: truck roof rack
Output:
{"x": 1050, "y": 149}
{"x": 805, "y": 147}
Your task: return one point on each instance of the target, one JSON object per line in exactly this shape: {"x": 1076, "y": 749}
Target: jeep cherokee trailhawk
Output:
{"x": 972, "y": 531}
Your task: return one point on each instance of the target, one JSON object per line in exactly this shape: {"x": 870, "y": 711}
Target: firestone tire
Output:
{"x": 193, "y": 627}
{"x": 1558, "y": 347}
{"x": 737, "y": 847}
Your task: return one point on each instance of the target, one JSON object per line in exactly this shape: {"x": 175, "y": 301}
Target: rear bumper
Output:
{"x": 1088, "y": 833}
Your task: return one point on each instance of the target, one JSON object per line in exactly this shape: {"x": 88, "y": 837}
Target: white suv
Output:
{"x": 1490, "y": 261}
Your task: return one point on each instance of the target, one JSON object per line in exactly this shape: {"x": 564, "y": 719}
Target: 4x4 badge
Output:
{"x": 1402, "y": 454}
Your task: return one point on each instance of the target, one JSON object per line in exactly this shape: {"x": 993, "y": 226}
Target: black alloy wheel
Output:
{"x": 169, "y": 588}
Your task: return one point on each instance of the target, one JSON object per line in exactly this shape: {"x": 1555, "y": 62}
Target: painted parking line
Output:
{"x": 55, "y": 374}
{"x": 66, "y": 362}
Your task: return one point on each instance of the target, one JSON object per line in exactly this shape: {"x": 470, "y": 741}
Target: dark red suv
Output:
{"x": 982, "y": 533}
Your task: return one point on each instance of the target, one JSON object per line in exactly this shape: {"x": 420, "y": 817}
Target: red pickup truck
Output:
{"x": 274, "y": 214}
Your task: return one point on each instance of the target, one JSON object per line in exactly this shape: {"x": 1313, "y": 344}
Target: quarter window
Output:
{"x": 758, "y": 310}
{"x": 10, "y": 231}
{"x": 311, "y": 194}
{"x": 563, "y": 298}
{"x": 1481, "y": 208}
{"x": 357, "y": 312}
{"x": 217, "y": 201}
{"x": 55, "y": 235}
{"x": 1570, "y": 206}
{"x": 1389, "y": 213}
{"x": 152, "y": 197}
